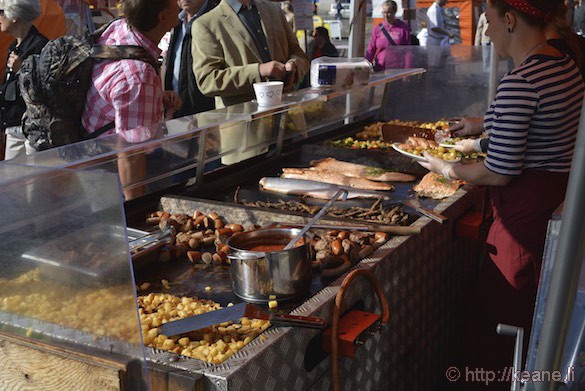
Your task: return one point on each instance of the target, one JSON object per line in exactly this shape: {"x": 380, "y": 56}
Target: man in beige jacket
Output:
{"x": 241, "y": 42}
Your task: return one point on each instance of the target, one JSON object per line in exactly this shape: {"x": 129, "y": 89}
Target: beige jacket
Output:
{"x": 225, "y": 59}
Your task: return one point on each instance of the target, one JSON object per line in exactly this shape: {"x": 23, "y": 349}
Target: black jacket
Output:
{"x": 329, "y": 50}
{"x": 193, "y": 100}
{"x": 11, "y": 104}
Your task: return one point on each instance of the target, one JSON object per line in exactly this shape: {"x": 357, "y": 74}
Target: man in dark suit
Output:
{"x": 179, "y": 75}
{"x": 241, "y": 42}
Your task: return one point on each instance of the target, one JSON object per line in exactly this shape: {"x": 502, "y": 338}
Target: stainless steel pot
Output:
{"x": 256, "y": 275}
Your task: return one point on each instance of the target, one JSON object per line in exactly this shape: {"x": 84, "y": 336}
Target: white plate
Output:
{"x": 416, "y": 157}
{"x": 446, "y": 145}
{"x": 410, "y": 155}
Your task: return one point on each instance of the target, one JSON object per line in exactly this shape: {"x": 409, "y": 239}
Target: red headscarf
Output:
{"x": 526, "y": 7}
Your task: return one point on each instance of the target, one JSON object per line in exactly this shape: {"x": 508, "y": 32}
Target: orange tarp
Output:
{"x": 51, "y": 23}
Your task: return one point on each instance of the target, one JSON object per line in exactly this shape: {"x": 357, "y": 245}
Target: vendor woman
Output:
{"x": 532, "y": 127}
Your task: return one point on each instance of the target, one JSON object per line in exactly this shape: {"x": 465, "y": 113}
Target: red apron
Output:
{"x": 521, "y": 212}
{"x": 506, "y": 290}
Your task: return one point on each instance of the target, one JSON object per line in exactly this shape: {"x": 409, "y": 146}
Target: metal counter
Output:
{"x": 425, "y": 278}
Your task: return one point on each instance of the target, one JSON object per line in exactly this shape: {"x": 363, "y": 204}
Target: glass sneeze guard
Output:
{"x": 66, "y": 273}
{"x": 149, "y": 159}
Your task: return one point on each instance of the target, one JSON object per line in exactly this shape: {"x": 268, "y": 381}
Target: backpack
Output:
{"x": 54, "y": 86}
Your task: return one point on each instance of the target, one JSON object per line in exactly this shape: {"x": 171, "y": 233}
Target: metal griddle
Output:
{"x": 191, "y": 280}
{"x": 250, "y": 191}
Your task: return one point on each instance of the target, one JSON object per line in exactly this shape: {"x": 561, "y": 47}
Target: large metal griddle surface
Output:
{"x": 249, "y": 190}
{"x": 191, "y": 280}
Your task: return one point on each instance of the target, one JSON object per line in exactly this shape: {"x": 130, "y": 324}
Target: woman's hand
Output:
{"x": 437, "y": 165}
{"x": 466, "y": 146}
{"x": 470, "y": 126}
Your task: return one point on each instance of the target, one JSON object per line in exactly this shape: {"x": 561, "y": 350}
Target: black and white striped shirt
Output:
{"x": 533, "y": 121}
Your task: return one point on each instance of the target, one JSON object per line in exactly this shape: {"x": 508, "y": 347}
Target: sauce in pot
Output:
{"x": 266, "y": 248}
{"x": 272, "y": 245}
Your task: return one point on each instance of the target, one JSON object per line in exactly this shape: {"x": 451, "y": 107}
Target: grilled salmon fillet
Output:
{"x": 436, "y": 186}
{"x": 360, "y": 171}
{"x": 422, "y": 142}
{"x": 312, "y": 188}
{"x": 334, "y": 178}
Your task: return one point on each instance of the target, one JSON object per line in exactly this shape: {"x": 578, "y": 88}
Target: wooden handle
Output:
{"x": 431, "y": 214}
{"x": 390, "y": 229}
{"x": 297, "y": 321}
{"x": 396, "y": 229}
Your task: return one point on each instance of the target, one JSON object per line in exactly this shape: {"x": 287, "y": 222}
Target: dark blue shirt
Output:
{"x": 250, "y": 18}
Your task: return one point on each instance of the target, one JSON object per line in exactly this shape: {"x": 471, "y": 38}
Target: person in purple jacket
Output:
{"x": 391, "y": 32}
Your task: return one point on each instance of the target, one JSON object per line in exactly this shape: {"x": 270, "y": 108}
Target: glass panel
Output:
{"x": 155, "y": 158}
{"x": 146, "y": 159}
{"x": 572, "y": 370}
{"x": 66, "y": 271}
{"x": 454, "y": 85}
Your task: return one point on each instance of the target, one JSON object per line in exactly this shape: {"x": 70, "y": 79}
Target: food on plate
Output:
{"x": 334, "y": 178}
{"x": 436, "y": 186}
{"x": 416, "y": 146}
{"x": 451, "y": 140}
{"x": 360, "y": 171}
{"x": 419, "y": 142}
{"x": 474, "y": 156}
{"x": 311, "y": 188}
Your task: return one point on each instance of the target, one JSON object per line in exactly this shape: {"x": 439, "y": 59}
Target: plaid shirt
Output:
{"x": 127, "y": 92}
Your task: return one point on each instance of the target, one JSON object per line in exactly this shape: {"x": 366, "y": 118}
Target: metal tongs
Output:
{"x": 150, "y": 242}
{"x": 341, "y": 192}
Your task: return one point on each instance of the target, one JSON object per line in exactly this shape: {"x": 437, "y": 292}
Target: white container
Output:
{"x": 268, "y": 93}
{"x": 340, "y": 72}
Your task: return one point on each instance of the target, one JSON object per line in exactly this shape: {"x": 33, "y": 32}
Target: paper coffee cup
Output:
{"x": 268, "y": 93}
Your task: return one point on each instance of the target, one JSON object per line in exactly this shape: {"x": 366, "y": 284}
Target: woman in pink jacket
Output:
{"x": 391, "y": 32}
